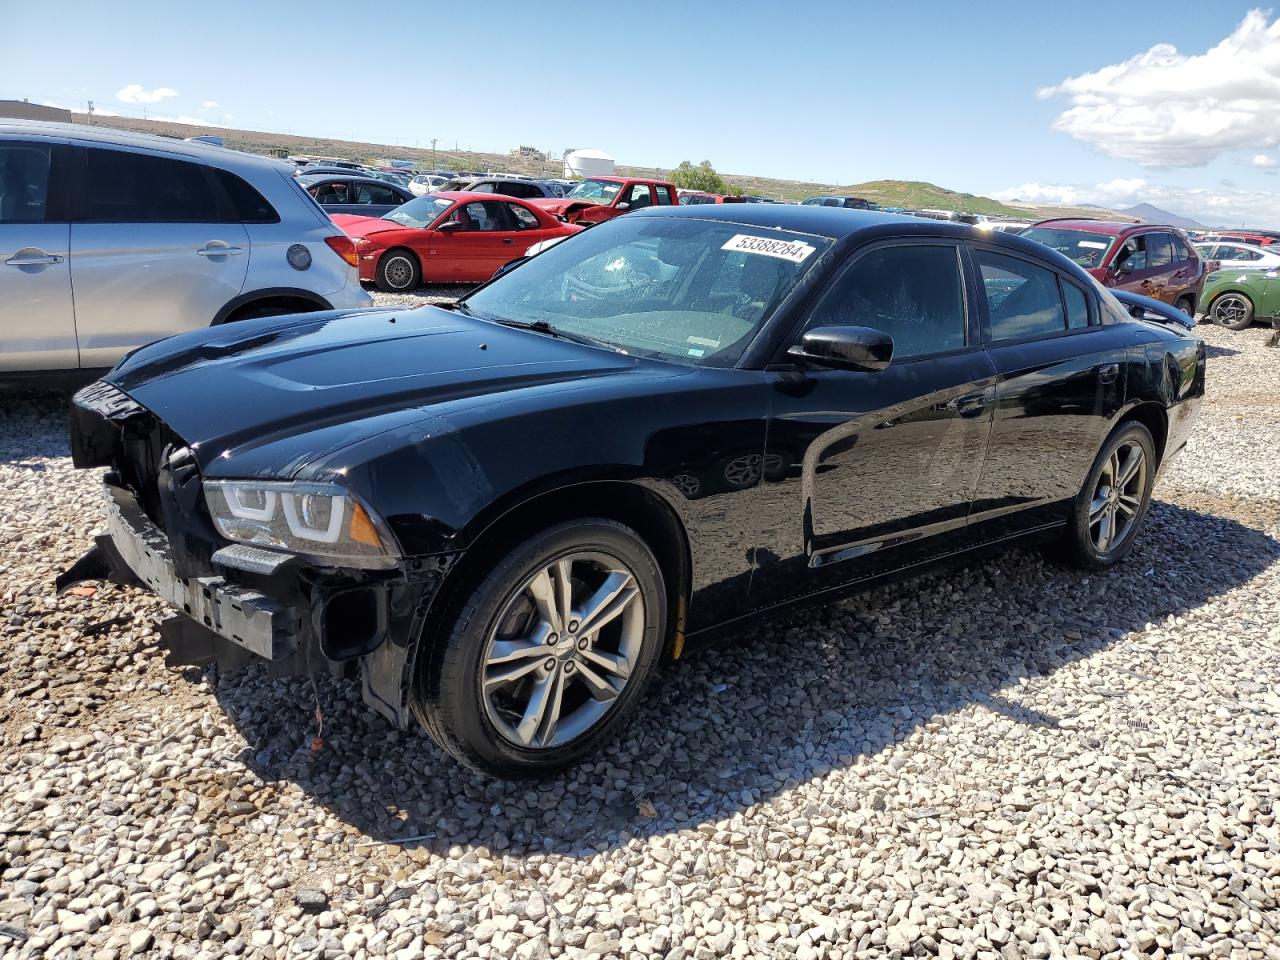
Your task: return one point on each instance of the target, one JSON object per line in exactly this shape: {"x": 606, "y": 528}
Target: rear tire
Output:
{"x": 1187, "y": 305}
{"x": 1107, "y": 515}
{"x": 1234, "y": 311}
{"x": 522, "y": 686}
{"x": 399, "y": 271}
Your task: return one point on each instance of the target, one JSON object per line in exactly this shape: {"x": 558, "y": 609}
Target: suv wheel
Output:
{"x": 399, "y": 271}
{"x": 550, "y": 654}
{"x": 1187, "y": 305}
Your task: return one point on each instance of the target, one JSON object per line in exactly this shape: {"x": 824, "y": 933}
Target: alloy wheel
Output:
{"x": 399, "y": 272}
{"x": 563, "y": 650}
{"x": 1117, "y": 497}
{"x": 1230, "y": 309}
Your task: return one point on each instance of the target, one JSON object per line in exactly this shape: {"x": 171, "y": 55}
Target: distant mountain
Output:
{"x": 1153, "y": 214}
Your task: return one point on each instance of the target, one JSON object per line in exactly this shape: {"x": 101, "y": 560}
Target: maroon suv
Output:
{"x": 1151, "y": 259}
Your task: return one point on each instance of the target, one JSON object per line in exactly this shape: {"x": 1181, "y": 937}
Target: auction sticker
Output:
{"x": 1092, "y": 245}
{"x": 797, "y": 251}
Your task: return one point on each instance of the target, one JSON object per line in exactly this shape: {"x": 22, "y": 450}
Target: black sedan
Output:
{"x": 499, "y": 517}
{"x": 361, "y": 196}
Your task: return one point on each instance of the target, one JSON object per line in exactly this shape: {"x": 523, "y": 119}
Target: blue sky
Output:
{"x": 836, "y": 92}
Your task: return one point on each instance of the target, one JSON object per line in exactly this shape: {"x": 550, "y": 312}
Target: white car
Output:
{"x": 426, "y": 183}
{"x": 1238, "y": 256}
{"x": 110, "y": 240}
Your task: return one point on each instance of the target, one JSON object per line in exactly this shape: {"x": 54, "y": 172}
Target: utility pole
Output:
{"x": 91, "y": 113}
{"x": 433, "y": 152}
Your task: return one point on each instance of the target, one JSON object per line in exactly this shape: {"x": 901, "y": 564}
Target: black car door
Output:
{"x": 1059, "y": 384}
{"x": 869, "y": 472}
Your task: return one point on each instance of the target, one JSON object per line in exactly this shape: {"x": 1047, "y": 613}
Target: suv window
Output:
{"x": 641, "y": 196}
{"x": 484, "y": 186}
{"x": 24, "y": 182}
{"x": 125, "y": 187}
{"x": 523, "y": 216}
{"x": 375, "y": 193}
{"x": 1159, "y": 250}
{"x": 1133, "y": 252}
{"x": 1022, "y": 299}
{"x": 1182, "y": 251}
{"x": 1238, "y": 254}
{"x": 912, "y": 293}
{"x": 249, "y": 205}
{"x": 664, "y": 195}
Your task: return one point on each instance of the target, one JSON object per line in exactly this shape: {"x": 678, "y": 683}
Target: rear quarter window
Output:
{"x": 249, "y": 205}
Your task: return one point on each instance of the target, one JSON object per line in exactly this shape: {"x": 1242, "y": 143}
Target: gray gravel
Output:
{"x": 1012, "y": 760}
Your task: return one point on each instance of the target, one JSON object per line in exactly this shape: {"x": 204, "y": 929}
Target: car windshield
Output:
{"x": 419, "y": 212}
{"x": 683, "y": 289}
{"x": 1085, "y": 248}
{"x": 597, "y": 191}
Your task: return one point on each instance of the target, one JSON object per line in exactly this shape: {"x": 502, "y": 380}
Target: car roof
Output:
{"x": 356, "y": 177}
{"x": 1111, "y": 228}
{"x": 840, "y": 223}
{"x": 472, "y": 195}
{"x": 110, "y": 136}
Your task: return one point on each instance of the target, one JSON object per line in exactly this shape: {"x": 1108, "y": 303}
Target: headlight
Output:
{"x": 319, "y": 520}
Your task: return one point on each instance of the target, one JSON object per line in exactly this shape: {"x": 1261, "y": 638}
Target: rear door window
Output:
{"x": 664, "y": 196}
{"x": 375, "y": 193}
{"x": 125, "y": 187}
{"x": 24, "y": 182}
{"x": 1159, "y": 250}
{"x": 1022, "y": 299}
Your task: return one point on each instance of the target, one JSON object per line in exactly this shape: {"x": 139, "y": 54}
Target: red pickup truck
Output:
{"x": 601, "y": 198}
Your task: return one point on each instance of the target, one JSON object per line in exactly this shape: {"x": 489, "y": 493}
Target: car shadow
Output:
{"x": 733, "y": 725}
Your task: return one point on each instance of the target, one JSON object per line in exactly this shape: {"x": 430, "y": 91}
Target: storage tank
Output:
{"x": 587, "y": 163}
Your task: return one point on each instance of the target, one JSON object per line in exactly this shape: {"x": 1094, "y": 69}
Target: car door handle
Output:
{"x": 33, "y": 258}
{"x": 207, "y": 251}
{"x": 1108, "y": 372}
{"x": 970, "y": 405}
{"x": 508, "y": 241}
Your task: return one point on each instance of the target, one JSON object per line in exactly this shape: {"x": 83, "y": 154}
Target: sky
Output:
{"x": 1084, "y": 103}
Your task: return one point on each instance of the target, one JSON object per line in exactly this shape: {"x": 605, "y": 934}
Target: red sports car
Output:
{"x": 447, "y": 238}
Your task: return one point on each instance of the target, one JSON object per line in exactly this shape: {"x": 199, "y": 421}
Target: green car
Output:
{"x": 1235, "y": 298}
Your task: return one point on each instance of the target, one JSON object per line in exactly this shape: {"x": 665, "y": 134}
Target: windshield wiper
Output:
{"x": 541, "y": 326}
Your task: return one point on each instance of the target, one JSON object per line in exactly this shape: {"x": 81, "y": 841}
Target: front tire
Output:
{"x": 399, "y": 271}
{"x": 1232, "y": 310}
{"x": 551, "y": 652}
{"x": 1109, "y": 510}
{"x": 1187, "y": 305}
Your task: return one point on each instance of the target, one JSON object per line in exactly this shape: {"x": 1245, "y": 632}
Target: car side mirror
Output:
{"x": 449, "y": 226}
{"x": 624, "y": 205}
{"x": 845, "y": 348}
{"x": 1272, "y": 274}
{"x": 1123, "y": 268}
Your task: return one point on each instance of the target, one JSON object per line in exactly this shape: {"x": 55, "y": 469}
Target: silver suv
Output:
{"x": 110, "y": 239}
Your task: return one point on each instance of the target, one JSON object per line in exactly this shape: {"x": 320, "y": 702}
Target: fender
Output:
{"x": 268, "y": 293}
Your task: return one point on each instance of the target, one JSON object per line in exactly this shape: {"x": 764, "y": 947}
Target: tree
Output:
{"x": 702, "y": 177}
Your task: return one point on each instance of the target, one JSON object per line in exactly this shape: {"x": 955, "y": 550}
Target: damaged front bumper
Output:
{"x": 266, "y": 606}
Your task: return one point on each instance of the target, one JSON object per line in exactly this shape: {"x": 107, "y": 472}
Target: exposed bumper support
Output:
{"x": 248, "y": 619}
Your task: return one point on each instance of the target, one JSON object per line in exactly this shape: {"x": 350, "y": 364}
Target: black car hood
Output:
{"x": 321, "y": 381}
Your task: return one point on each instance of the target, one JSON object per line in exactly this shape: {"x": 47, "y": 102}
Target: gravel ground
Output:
{"x": 1012, "y": 760}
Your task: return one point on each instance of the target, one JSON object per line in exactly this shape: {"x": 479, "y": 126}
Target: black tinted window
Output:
{"x": 249, "y": 205}
{"x": 375, "y": 193}
{"x": 124, "y": 187}
{"x": 1159, "y": 250}
{"x": 1022, "y": 299}
{"x": 914, "y": 294}
{"x": 1077, "y": 305}
{"x": 24, "y": 182}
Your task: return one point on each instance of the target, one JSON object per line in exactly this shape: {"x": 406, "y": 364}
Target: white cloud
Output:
{"x": 1262, "y": 161}
{"x": 1213, "y": 207}
{"x": 137, "y": 93}
{"x": 208, "y": 104}
{"x": 1163, "y": 108}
